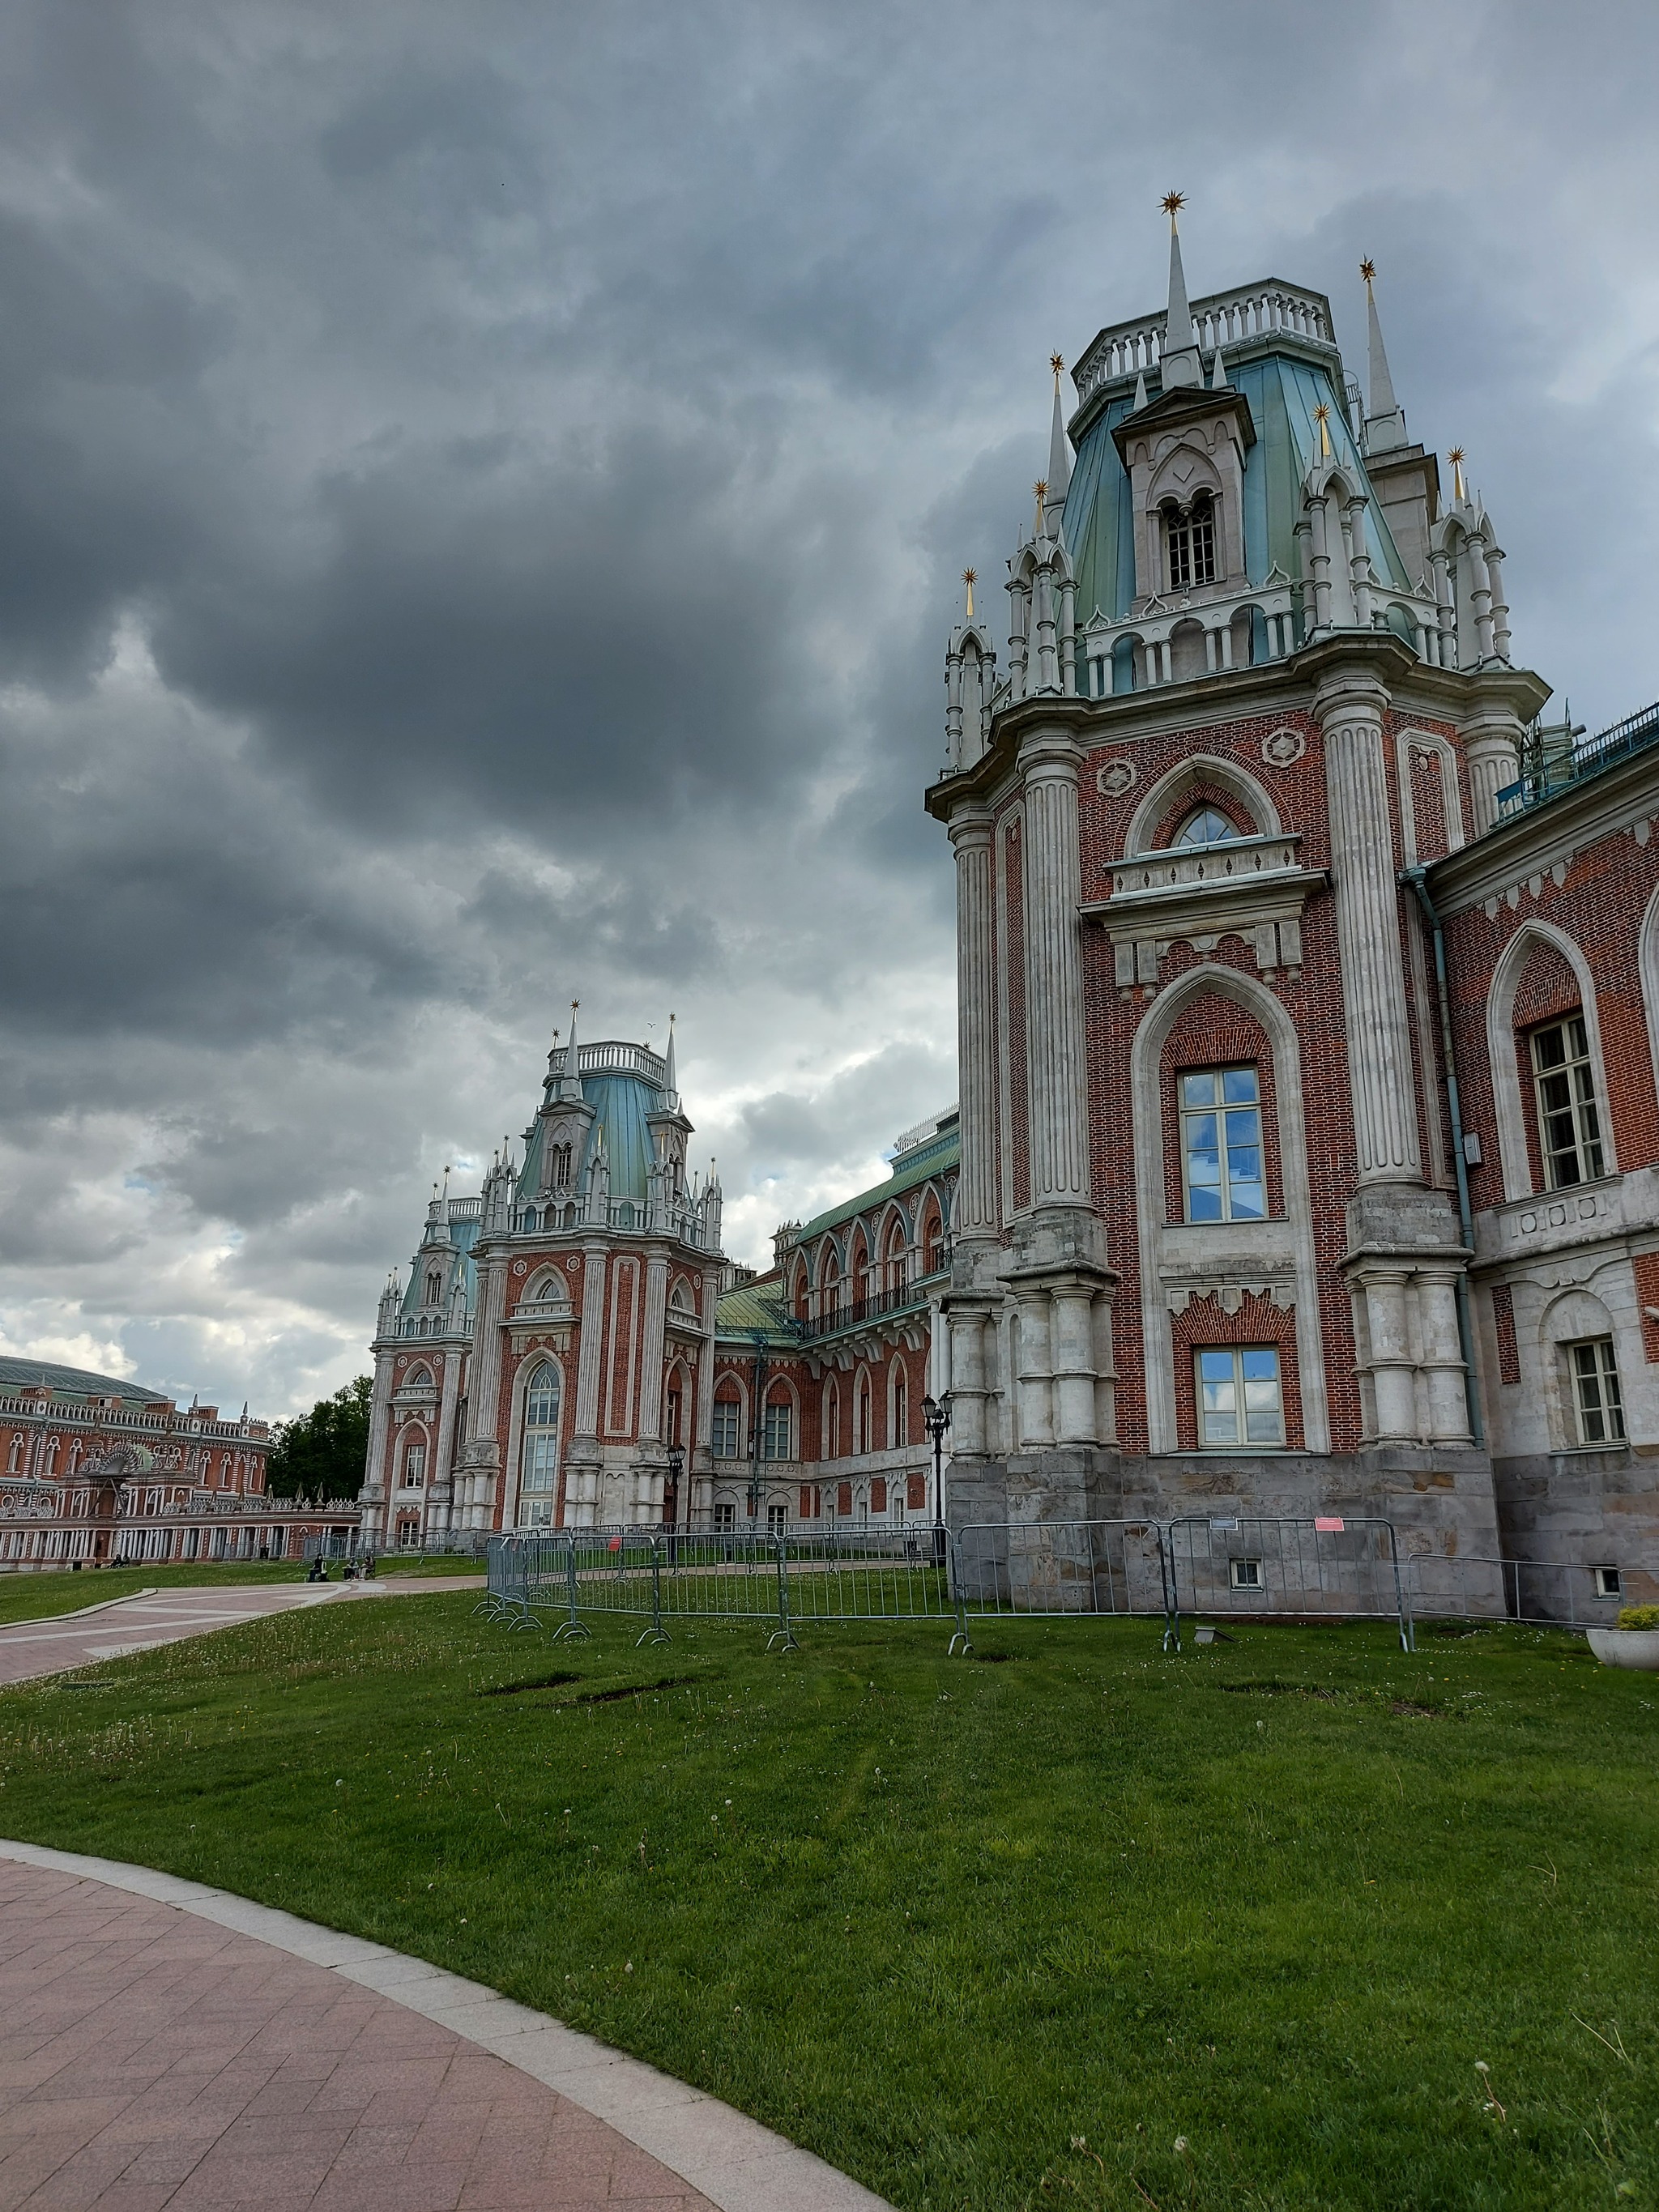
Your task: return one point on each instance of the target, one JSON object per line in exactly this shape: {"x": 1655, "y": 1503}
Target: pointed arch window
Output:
{"x": 435, "y": 1286}
{"x": 1208, "y": 826}
{"x": 899, "y": 1429}
{"x": 539, "y": 1457}
{"x": 1189, "y": 542}
{"x": 864, "y": 1415}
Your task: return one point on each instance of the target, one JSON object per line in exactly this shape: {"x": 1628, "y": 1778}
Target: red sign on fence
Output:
{"x": 1330, "y": 1523}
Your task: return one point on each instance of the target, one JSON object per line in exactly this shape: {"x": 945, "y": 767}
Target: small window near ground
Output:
{"x": 777, "y": 1517}
{"x": 1607, "y": 1583}
{"x": 1221, "y": 1145}
{"x": 725, "y": 1515}
{"x": 1569, "y": 1122}
{"x": 1245, "y": 1574}
{"x": 1597, "y": 1404}
{"x": 1240, "y": 1403}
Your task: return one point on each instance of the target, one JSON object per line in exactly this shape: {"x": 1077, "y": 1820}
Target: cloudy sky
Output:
{"x": 481, "y": 494}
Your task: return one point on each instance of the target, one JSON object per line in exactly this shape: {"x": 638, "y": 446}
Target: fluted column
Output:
{"x": 439, "y": 1497}
{"x": 593, "y": 1338}
{"x": 1474, "y": 552}
{"x": 976, "y": 1210}
{"x": 373, "y": 1517}
{"x": 1349, "y": 711}
{"x": 1491, "y": 747}
{"x": 1500, "y": 611}
{"x": 1320, "y": 510}
{"x": 652, "y": 1347}
{"x": 484, "y": 1400}
{"x": 1055, "y": 1039}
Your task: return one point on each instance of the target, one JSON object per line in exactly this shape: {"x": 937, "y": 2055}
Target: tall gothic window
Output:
{"x": 1221, "y": 1145}
{"x": 434, "y": 1287}
{"x": 778, "y": 1434}
{"x": 539, "y": 1460}
{"x": 1189, "y": 541}
{"x": 1563, "y": 1082}
{"x": 728, "y": 1416}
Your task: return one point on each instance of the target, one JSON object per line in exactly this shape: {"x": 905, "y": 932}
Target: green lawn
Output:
{"x": 43, "y": 1596}
{"x": 984, "y": 1934}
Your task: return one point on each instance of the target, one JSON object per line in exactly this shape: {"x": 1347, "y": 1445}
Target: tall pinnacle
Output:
{"x": 1180, "y": 362}
{"x": 569, "y": 1082}
{"x": 1385, "y": 423}
{"x": 1059, "y": 446}
{"x": 670, "y": 1084}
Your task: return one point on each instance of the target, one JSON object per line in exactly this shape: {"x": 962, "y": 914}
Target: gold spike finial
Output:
{"x": 1040, "y": 492}
{"x": 1322, "y": 416}
{"x": 1368, "y": 270}
{"x": 970, "y": 577}
{"x": 1455, "y": 456}
{"x": 1172, "y": 203}
{"x": 1058, "y": 367}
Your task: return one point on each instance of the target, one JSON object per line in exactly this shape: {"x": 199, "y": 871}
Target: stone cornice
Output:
{"x": 1462, "y": 697}
{"x": 1548, "y": 836}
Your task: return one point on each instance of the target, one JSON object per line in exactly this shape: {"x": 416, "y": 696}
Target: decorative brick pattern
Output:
{"x": 1258, "y": 1321}
{"x": 1503, "y": 1321}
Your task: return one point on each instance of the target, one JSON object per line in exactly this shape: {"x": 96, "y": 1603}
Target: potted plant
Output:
{"x": 1633, "y": 1642}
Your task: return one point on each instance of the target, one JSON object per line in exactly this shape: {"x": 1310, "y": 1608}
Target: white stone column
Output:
{"x": 1036, "y": 1418}
{"x": 652, "y": 1347}
{"x": 1474, "y": 552}
{"x": 1349, "y": 710}
{"x": 592, "y": 1339}
{"x": 1073, "y": 1355}
{"x": 1067, "y": 637}
{"x": 967, "y": 1387}
{"x": 373, "y": 1517}
{"x": 484, "y": 1400}
{"x": 1056, "y": 1046}
{"x": 1491, "y": 747}
{"x": 439, "y": 1501}
{"x": 1443, "y": 1356}
{"x": 1359, "y": 570}
{"x": 1393, "y": 1369}
{"x": 699, "y": 1445}
{"x": 1320, "y": 513}
{"x": 976, "y": 1211}
{"x": 1500, "y": 612}
{"x": 1446, "y": 607}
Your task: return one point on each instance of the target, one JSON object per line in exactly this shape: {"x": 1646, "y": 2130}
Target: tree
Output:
{"x": 322, "y": 1454}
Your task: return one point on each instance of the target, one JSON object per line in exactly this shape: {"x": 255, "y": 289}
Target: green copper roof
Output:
{"x": 71, "y": 1381}
{"x": 1282, "y": 389}
{"x": 756, "y": 1309}
{"x": 937, "y": 1156}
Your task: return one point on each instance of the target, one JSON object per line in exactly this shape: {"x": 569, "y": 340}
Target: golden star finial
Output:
{"x": 1172, "y": 203}
{"x": 1368, "y": 268}
{"x": 970, "y": 577}
{"x": 1058, "y": 367}
{"x": 1040, "y": 488}
{"x": 1455, "y": 456}
{"x": 1322, "y": 416}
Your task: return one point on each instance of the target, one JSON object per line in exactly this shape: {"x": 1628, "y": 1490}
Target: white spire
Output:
{"x": 1181, "y": 362}
{"x": 670, "y": 1086}
{"x": 1219, "y": 378}
{"x": 1060, "y": 457}
{"x": 1140, "y": 393}
{"x": 569, "y": 1082}
{"x": 1385, "y": 420}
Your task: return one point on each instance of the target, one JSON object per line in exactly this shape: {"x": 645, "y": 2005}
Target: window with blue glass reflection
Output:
{"x": 1239, "y": 1398}
{"x": 1221, "y": 1145}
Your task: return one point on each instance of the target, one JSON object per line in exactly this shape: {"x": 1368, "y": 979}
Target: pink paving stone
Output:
{"x": 153, "y": 2063}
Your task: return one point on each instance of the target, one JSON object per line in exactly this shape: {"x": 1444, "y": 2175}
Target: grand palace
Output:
{"x": 1307, "y": 1154}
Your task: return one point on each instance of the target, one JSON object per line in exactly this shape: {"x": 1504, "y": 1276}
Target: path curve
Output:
{"x": 145, "y": 2061}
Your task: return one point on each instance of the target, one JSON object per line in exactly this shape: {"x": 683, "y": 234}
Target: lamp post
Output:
{"x": 936, "y": 1418}
{"x": 671, "y": 1493}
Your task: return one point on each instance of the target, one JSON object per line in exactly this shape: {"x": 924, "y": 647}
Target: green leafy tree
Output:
{"x": 324, "y": 1453}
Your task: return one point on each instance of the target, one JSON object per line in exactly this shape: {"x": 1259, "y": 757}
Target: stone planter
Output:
{"x": 1626, "y": 1647}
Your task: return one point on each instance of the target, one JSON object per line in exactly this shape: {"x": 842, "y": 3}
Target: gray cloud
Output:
{"x": 481, "y": 496}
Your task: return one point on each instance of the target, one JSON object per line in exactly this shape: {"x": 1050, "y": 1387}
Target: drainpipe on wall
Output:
{"x": 1418, "y": 879}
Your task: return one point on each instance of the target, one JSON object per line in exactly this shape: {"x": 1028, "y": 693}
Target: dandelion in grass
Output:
{"x": 1491, "y": 2104}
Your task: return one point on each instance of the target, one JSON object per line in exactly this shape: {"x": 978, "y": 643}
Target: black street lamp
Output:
{"x": 936, "y": 1418}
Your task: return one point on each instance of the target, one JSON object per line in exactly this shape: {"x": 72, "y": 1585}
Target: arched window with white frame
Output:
{"x": 538, "y": 1454}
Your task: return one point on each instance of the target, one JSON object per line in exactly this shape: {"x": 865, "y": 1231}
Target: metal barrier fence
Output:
{"x": 1237, "y": 1566}
{"x": 1551, "y": 1593}
{"x": 1246, "y": 1565}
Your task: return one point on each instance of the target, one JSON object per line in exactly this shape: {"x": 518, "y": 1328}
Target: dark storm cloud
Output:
{"x": 481, "y": 496}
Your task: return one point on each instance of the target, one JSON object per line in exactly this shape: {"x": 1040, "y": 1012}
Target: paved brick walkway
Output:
{"x": 148, "y": 2058}
{"x": 32, "y": 1648}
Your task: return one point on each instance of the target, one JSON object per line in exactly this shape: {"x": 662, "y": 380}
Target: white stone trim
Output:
{"x": 1511, "y": 1107}
{"x": 1451, "y": 797}
{"x": 1647, "y": 968}
{"x": 1147, "y": 1096}
{"x": 1247, "y": 788}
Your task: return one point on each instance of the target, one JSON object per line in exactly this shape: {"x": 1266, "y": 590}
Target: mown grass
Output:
{"x": 46, "y": 1597}
{"x": 984, "y": 1934}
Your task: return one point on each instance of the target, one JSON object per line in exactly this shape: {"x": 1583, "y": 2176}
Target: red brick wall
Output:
{"x": 1313, "y": 1000}
{"x": 1599, "y": 905}
{"x": 1428, "y": 803}
{"x": 1214, "y": 1032}
{"x": 1503, "y": 1320}
{"x": 1258, "y": 1321}
{"x": 1645, "y": 1266}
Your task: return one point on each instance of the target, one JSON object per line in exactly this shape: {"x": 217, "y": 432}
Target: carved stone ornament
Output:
{"x": 1116, "y": 778}
{"x": 1281, "y": 748}
{"x": 518, "y": 1266}
{"x": 572, "y": 1263}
